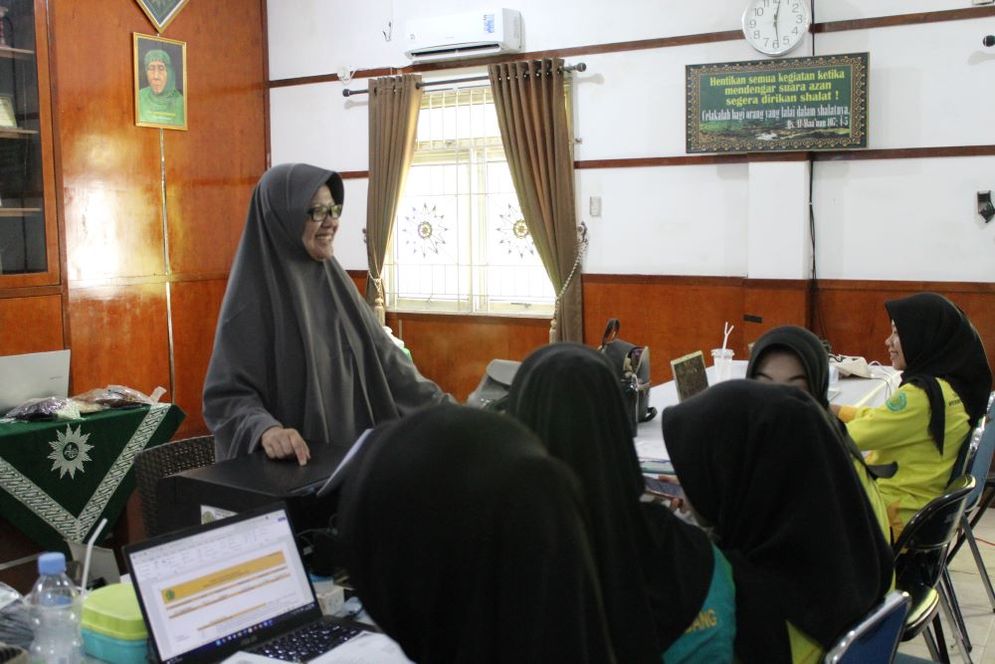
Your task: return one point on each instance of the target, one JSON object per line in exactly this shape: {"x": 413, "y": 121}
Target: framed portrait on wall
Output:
{"x": 160, "y": 82}
{"x": 161, "y": 12}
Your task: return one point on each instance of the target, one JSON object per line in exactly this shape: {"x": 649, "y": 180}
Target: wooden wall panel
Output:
{"x": 776, "y": 303}
{"x": 109, "y": 167}
{"x": 119, "y": 336}
{"x": 672, "y": 315}
{"x": 30, "y": 324}
{"x": 359, "y": 278}
{"x": 676, "y": 315}
{"x": 109, "y": 194}
{"x": 852, "y": 316}
{"x": 195, "y": 306}
{"x": 212, "y": 168}
{"x": 454, "y": 350}
{"x": 112, "y": 178}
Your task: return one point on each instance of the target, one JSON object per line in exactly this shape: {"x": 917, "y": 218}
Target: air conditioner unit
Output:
{"x": 464, "y": 35}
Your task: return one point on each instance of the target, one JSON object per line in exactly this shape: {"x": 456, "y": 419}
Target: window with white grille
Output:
{"x": 460, "y": 243}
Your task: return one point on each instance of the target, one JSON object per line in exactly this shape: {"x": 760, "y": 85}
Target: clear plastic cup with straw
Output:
{"x": 722, "y": 357}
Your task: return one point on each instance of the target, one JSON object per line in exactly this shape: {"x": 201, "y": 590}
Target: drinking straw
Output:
{"x": 727, "y": 330}
{"x": 89, "y": 553}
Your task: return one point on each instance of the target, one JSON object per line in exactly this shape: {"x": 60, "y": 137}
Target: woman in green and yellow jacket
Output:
{"x": 946, "y": 381}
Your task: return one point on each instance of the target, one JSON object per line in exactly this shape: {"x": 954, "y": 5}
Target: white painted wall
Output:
{"x": 908, "y": 219}
{"x": 666, "y": 221}
{"x": 778, "y": 245}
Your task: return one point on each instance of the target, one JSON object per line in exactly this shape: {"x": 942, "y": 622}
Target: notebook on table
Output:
{"x": 239, "y": 586}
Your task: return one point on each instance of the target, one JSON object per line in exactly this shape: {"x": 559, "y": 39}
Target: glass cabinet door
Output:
{"x": 24, "y": 234}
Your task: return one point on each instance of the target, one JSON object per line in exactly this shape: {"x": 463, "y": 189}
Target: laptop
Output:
{"x": 33, "y": 375}
{"x": 239, "y": 586}
{"x": 252, "y": 480}
{"x": 689, "y": 375}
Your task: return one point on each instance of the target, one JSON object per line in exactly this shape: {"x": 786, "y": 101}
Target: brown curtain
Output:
{"x": 532, "y": 114}
{"x": 394, "y": 105}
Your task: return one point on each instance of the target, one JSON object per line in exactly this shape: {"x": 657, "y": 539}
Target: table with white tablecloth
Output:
{"x": 851, "y": 391}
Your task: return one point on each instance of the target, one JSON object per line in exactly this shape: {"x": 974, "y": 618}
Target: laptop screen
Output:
{"x": 33, "y": 375}
{"x": 208, "y": 590}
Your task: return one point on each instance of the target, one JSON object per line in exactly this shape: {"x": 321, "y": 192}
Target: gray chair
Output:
{"x": 876, "y": 637}
{"x": 983, "y": 447}
{"x": 980, "y": 465}
{"x": 155, "y": 463}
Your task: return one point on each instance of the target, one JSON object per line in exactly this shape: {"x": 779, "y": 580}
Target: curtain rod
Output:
{"x": 580, "y": 66}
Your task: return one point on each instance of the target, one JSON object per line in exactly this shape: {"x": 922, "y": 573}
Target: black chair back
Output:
{"x": 965, "y": 455}
{"x": 921, "y": 549}
{"x": 155, "y": 463}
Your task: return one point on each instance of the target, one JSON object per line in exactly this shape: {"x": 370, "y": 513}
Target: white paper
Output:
{"x": 366, "y": 648}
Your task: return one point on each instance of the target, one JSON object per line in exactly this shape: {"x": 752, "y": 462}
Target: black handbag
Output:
{"x": 632, "y": 366}
{"x": 492, "y": 391}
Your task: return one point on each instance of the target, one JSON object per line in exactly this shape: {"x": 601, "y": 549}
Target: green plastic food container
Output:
{"x": 112, "y": 625}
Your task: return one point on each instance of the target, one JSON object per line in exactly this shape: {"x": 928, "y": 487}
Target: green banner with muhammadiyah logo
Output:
{"x": 816, "y": 103}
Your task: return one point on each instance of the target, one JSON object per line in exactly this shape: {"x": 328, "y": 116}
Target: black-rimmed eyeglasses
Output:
{"x": 319, "y": 213}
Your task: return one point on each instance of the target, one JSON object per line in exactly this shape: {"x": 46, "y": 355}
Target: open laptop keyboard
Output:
{"x": 307, "y": 642}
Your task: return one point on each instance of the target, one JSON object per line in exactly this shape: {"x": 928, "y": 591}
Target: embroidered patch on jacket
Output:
{"x": 897, "y": 402}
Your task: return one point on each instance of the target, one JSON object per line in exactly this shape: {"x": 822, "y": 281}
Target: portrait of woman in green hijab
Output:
{"x": 160, "y": 77}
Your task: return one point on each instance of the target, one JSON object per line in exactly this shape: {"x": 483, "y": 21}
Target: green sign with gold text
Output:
{"x": 817, "y": 103}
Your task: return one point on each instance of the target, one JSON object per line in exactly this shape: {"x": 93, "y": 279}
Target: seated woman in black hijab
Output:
{"x": 946, "y": 381}
{"x": 762, "y": 466}
{"x": 466, "y": 543}
{"x": 667, "y": 590}
{"x": 299, "y": 358}
{"x": 791, "y": 355}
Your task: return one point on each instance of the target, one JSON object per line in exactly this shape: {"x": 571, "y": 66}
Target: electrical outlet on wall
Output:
{"x": 595, "y": 206}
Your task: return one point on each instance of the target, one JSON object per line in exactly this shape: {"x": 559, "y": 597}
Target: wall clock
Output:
{"x": 775, "y": 27}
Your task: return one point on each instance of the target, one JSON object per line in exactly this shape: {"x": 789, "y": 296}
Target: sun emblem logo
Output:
{"x": 69, "y": 452}
{"x": 423, "y": 230}
{"x": 515, "y": 235}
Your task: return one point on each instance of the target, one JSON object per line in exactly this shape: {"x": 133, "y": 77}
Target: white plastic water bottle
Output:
{"x": 55, "y": 614}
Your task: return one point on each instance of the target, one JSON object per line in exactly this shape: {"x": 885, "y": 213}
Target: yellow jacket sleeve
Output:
{"x": 898, "y": 431}
{"x": 904, "y": 416}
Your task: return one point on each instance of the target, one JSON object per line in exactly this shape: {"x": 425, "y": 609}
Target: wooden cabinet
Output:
{"x": 29, "y": 253}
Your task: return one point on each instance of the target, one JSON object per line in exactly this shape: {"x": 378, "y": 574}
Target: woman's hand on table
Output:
{"x": 280, "y": 443}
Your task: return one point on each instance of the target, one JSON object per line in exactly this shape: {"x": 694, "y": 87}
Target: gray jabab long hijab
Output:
{"x": 296, "y": 346}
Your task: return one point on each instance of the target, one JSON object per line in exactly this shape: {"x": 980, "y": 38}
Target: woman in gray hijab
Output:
{"x": 299, "y": 358}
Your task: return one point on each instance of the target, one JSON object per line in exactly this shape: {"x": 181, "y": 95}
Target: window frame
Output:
{"x": 474, "y": 153}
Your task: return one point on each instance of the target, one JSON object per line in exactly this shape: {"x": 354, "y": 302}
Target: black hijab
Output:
{"x": 654, "y": 569}
{"x": 296, "y": 346}
{"x": 758, "y": 462}
{"x": 939, "y": 341}
{"x": 466, "y": 543}
{"x": 804, "y": 345}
